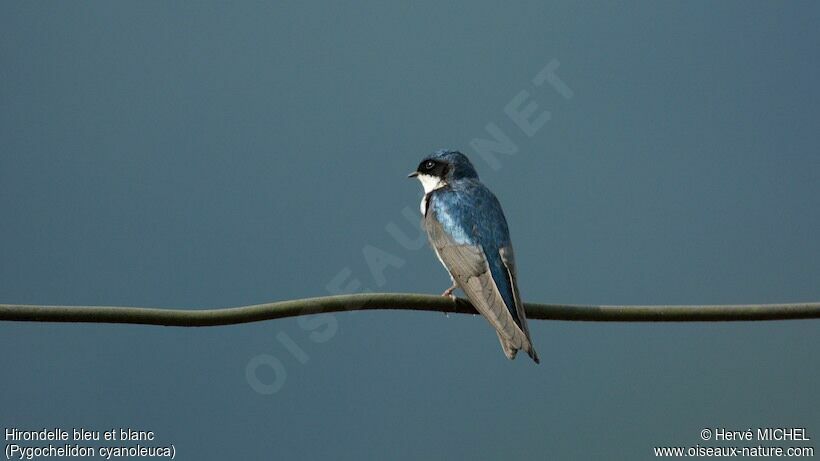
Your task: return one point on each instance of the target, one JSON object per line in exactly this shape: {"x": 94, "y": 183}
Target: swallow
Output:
{"x": 468, "y": 231}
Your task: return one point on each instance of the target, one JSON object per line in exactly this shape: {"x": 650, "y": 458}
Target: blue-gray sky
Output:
{"x": 210, "y": 154}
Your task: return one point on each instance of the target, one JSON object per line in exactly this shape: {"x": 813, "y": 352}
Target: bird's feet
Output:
{"x": 449, "y": 292}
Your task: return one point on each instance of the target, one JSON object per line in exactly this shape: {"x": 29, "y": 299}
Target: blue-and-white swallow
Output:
{"x": 468, "y": 231}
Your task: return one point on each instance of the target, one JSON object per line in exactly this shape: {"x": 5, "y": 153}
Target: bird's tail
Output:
{"x": 510, "y": 349}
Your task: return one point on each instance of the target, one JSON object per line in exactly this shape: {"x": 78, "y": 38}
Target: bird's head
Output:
{"x": 443, "y": 167}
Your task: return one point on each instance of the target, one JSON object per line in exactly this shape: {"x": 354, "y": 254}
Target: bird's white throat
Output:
{"x": 431, "y": 183}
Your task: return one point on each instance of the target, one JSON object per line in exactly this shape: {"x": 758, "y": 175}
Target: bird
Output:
{"x": 468, "y": 231}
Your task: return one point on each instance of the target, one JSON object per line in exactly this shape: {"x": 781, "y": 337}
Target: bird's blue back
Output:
{"x": 472, "y": 215}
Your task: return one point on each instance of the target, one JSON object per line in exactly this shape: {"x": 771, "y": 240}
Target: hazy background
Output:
{"x": 214, "y": 154}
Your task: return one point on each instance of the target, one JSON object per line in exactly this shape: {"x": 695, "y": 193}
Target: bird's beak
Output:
{"x": 413, "y": 174}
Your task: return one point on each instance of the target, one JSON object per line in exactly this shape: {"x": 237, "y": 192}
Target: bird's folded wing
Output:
{"x": 508, "y": 258}
{"x": 468, "y": 266}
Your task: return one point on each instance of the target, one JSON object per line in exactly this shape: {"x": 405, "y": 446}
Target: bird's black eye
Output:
{"x": 429, "y": 165}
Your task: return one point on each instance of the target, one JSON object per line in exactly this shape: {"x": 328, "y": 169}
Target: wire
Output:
{"x": 404, "y": 301}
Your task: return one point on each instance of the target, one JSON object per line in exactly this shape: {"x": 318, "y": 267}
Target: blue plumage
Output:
{"x": 467, "y": 229}
{"x": 472, "y": 215}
